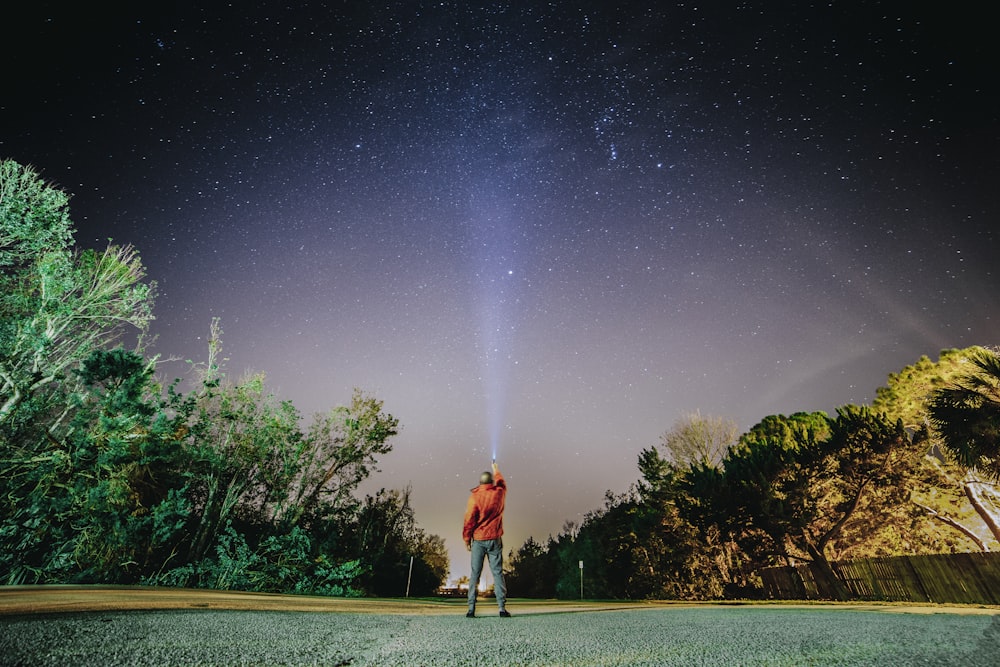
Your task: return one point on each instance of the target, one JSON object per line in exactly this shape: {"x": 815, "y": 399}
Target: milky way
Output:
{"x": 559, "y": 226}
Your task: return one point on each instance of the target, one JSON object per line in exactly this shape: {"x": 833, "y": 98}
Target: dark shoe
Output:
{"x": 504, "y": 614}
{"x": 470, "y": 614}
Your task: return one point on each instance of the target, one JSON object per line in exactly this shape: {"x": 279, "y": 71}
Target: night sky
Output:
{"x": 552, "y": 228}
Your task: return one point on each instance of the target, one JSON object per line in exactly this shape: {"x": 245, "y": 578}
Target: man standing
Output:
{"x": 481, "y": 532}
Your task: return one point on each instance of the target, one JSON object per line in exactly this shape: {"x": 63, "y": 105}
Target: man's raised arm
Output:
{"x": 498, "y": 479}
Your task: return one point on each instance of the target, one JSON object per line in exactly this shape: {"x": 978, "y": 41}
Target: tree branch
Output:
{"x": 947, "y": 520}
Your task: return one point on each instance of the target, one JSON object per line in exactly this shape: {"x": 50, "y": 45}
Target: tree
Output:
{"x": 792, "y": 485}
{"x": 383, "y": 536}
{"x": 338, "y": 452}
{"x": 58, "y": 304}
{"x": 106, "y": 503}
{"x": 431, "y": 571}
{"x": 745, "y": 496}
{"x": 695, "y": 439}
{"x": 532, "y": 570}
{"x": 630, "y": 548}
{"x": 236, "y": 440}
{"x": 678, "y": 558}
{"x": 947, "y": 491}
{"x": 966, "y": 415}
{"x": 34, "y": 219}
{"x": 860, "y": 468}
{"x": 167, "y": 489}
{"x": 106, "y": 477}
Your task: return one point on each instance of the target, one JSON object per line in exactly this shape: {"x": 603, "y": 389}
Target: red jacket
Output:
{"x": 484, "y": 512}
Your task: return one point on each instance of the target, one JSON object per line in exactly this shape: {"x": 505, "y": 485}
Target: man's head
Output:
{"x": 486, "y": 478}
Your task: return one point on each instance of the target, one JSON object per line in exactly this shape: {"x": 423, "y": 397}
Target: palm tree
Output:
{"x": 966, "y": 416}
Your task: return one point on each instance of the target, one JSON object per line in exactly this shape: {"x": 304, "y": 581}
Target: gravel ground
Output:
{"x": 683, "y": 636}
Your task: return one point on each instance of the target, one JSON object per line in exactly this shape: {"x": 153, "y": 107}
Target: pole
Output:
{"x": 408, "y": 577}
{"x": 581, "y": 579}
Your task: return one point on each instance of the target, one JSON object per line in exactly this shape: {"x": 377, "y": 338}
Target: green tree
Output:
{"x": 34, "y": 219}
{"x": 106, "y": 477}
{"x": 104, "y": 503}
{"x": 966, "y": 415}
{"x": 251, "y": 462}
{"x": 745, "y": 497}
{"x": 952, "y": 494}
{"x": 680, "y": 559}
{"x": 57, "y": 304}
{"x": 134, "y": 509}
{"x": 906, "y": 394}
{"x": 431, "y": 570}
{"x": 792, "y": 485}
{"x": 532, "y": 570}
{"x": 696, "y": 439}
{"x": 384, "y": 536}
{"x": 630, "y": 548}
{"x": 236, "y": 440}
{"x": 337, "y": 453}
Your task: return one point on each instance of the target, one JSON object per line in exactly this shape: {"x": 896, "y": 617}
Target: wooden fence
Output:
{"x": 972, "y": 578}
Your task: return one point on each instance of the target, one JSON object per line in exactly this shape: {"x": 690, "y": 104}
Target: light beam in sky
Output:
{"x": 491, "y": 235}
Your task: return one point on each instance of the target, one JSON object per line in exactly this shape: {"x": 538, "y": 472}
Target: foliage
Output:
{"x": 792, "y": 485}
{"x": 385, "y": 535}
{"x": 107, "y": 476}
{"x": 801, "y": 488}
{"x": 695, "y": 439}
{"x": 283, "y": 562}
{"x": 940, "y": 487}
{"x": 631, "y": 548}
{"x": 34, "y": 217}
{"x": 532, "y": 570}
{"x": 58, "y": 304}
{"x": 181, "y": 490}
{"x": 966, "y": 414}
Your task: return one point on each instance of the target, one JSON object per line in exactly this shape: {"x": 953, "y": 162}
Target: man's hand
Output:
{"x": 468, "y": 545}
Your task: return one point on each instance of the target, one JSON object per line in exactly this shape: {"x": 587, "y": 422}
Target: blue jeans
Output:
{"x": 480, "y": 550}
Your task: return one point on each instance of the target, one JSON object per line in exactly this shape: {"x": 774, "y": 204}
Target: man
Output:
{"x": 481, "y": 532}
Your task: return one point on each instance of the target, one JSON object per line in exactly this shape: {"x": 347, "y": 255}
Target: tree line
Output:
{"x": 109, "y": 474}
{"x": 915, "y": 472}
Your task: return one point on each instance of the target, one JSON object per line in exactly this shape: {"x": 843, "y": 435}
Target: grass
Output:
{"x": 274, "y": 630}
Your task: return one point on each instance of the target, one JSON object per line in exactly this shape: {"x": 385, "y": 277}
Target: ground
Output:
{"x": 103, "y": 626}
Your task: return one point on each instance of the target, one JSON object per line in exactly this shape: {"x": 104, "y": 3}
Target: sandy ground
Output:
{"x": 54, "y": 599}
{"x": 19, "y": 600}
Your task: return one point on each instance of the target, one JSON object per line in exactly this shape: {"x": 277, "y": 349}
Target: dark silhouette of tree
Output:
{"x": 532, "y": 570}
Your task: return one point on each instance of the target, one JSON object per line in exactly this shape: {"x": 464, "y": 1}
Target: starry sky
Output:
{"x": 545, "y": 228}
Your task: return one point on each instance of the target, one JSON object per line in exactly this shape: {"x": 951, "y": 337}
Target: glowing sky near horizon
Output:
{"x": 547, "y": 228}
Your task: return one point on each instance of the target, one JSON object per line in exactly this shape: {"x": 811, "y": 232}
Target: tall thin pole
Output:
{"x": 408, "y": 577}
{"x": 581, "y": 579}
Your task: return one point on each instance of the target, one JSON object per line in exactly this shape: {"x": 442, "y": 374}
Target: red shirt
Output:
{"x": 484, "y": 511}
